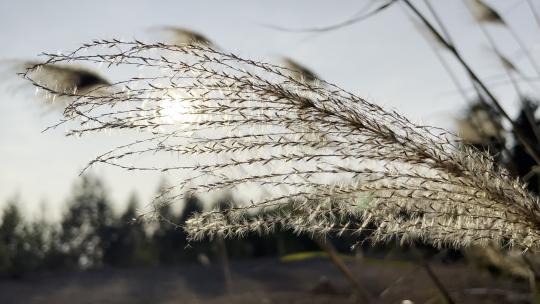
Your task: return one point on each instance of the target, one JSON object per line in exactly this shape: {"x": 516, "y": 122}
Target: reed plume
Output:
{"x": 52, "y": 81}
{"x": 185, "y": 36}
{"x": 65, "y": 78}
{"x": 304, "y": 156}
{"x": 485, "y": 13}
{"x": 298, "y": 71}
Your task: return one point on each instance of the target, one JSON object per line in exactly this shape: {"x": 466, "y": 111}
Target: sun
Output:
{"x": 176, "y": 108}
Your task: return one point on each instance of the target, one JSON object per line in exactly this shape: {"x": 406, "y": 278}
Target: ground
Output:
{"x": 313, "y": 281}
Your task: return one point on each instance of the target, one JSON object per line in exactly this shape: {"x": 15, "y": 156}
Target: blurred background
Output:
{"x": 66, "y": 238}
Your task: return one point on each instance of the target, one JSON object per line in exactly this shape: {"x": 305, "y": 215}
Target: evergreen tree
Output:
{"x": 132, "y": 246}
{"x": 87, "y": 230}
{"x": 11, "y": 239}
{"x": 169, "y": 240}
{"x": 23, "y": 246}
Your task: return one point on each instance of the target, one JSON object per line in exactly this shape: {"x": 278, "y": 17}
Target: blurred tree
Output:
{"x": 22, "y": 246}
{"x": 131, "y": 246}
{"x": 36, "y": 244}
{"x": 169, "y": 240}
{"x": 11, "y": 239}
{"x": 87, "y": 230}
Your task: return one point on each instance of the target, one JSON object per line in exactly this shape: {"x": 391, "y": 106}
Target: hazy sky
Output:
{"x": 383, "y": 59}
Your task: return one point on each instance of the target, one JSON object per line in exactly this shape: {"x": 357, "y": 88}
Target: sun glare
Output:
{"x": 176, "y": 109}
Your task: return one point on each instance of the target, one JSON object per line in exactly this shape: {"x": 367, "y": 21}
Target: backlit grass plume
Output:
{"x": 296, "y": 155}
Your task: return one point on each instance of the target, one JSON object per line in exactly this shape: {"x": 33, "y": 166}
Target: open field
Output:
{"x": 262, "y": 281}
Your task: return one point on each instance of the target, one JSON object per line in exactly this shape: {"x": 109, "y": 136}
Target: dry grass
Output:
{"x": 321, "y": 159}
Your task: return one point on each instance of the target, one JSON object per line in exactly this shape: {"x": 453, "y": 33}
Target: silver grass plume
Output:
{"x": 299, "y": 72}
{"x": 506, "y": 62}
{"x": 485, "y": 13}
{"x": 53, "y": 81}
{"x": 311, "y": 158}
{"x": 65, "y": 78}
{"x": 478, "y": 126}
{"x": 185, "y": 36}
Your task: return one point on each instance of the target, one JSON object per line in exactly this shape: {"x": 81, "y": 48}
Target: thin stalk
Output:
{"x": 450, "y": 73}
{"x": 400, "y": 279}
{"x": 530, "y": 150}
{"x": 514, "y": 35}
{"x": 525, "y": 49}
{"x": 438, "y": 19}
{"x": 534, "y": 12}
{"x": 222, "y": 248}
{"x": 448, "y": 39}
{"x": 531, "y": 265}
{"x": 496, "y": 49}
{"x": 445, "y": 294}
{"x": 533, "y": 278}
{"x": 446, "y": 66}
{"x": 528, "y": 114}
{"x": 440, "y": 287}
{"x": 508, "y": 71}
{"x": 495, "y": 82}
{"x": 365, "y": 296}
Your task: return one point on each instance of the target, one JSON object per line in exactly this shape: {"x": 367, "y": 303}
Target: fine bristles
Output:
{"x": 298, "y": 155}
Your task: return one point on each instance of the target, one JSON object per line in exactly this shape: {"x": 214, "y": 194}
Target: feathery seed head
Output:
{"x": 309, "y": 157}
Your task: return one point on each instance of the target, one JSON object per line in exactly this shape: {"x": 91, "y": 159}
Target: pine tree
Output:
{"x": 86, "y": 229}
{"x": 131, "y": 246}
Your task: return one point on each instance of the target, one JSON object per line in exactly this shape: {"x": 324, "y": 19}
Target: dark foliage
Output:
{"x": 90, "y": 235}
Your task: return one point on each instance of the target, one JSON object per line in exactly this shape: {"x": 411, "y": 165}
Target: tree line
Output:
{"x": 90, "y": 235}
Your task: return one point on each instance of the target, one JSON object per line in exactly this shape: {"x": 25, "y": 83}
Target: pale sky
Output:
{"x": 383, "y": 59}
